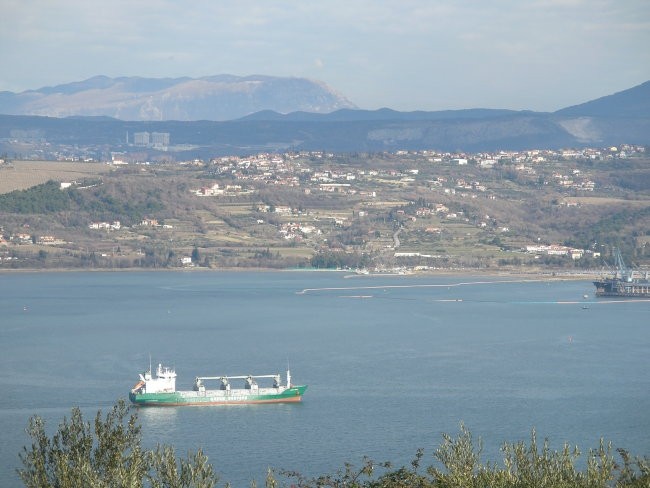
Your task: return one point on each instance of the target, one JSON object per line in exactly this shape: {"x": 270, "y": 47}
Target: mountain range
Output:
{"x": 221, "y": 97}
{"x": 622, "y": 117}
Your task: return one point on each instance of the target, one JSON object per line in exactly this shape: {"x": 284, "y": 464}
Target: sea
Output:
{"x": 392, "y": 362}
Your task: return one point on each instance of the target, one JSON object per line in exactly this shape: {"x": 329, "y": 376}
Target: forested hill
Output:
{"x": 40, "y": 199}
{"x": 49, "y": 199}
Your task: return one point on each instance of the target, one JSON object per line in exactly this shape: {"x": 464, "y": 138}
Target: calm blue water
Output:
{"x": 387, "y": 373}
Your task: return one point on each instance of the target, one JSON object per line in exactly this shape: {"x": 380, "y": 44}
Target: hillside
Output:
{"x": 631, "y": 103}
{"x": 380, "y": 211}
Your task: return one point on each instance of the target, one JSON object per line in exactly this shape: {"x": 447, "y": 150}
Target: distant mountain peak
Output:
{"x": 217, "y": 97}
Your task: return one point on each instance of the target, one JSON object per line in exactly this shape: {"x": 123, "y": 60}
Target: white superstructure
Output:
{"x": 164, "y": 382}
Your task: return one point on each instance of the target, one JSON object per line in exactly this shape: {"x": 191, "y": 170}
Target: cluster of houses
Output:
{"x": 147, "y": 222}
{"x": 293, "y": 170}
{"x": 266, "y": 168}
{"x": 116, "y": 225}
{"x": 217, "y": 190}
{"x": 535, "y": 156}
{"x": 556, "y": 250}
{"x": 574, "y": 181}
{"x": 473, "y": 185}
{"x": 23, "y": 238}
{"x": 49, "y": 240}
{"x": 296, "y": 231}
{"x": 287, "y": 168}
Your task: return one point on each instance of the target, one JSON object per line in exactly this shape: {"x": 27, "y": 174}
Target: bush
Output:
{"x": 110, "y": 455}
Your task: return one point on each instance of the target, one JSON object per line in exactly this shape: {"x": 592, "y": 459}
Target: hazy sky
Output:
{"x": 402, "y": 54}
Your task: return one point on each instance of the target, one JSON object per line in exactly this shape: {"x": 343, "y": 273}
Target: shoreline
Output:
{"x": 540, "y": 275}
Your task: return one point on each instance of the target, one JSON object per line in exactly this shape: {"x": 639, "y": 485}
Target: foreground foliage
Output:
{"x": 111, "y": 455}
{"x": 458, "y": 465}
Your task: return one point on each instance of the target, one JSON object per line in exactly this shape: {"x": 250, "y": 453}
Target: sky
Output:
{"x": 407, "y": 55}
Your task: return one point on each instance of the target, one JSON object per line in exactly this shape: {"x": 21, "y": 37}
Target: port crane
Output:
{"x": 620, "y": 265}
{"x": 627, "y": 275}
{"x": 625, "y": 283}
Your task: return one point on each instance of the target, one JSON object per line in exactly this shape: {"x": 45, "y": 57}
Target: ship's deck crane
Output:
{"x": 620, "y": 265}
{"x": 249, "y": 381}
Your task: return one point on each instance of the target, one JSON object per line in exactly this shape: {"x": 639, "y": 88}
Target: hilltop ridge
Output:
{"x": 611, "y": 120}
{"x": 633, "y": 102}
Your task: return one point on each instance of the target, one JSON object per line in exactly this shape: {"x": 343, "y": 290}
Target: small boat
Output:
{"x": 160, "y": 390}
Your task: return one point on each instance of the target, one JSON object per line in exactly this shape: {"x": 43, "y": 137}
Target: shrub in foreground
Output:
{"x": 109, "y": 454}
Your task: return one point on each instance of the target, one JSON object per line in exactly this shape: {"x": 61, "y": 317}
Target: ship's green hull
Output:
{"x": 218, "y": 397}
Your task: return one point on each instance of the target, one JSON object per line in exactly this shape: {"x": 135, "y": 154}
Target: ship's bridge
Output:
{"x": 164, "y": 382}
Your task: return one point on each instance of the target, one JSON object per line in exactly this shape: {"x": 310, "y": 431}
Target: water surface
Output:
{"x": 391, "y": 362}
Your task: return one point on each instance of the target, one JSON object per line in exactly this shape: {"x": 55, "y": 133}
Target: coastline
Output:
{"x": 537, "y": 275}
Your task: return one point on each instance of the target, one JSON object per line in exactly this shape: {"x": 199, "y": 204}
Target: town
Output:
{"x": 400, "y": 212}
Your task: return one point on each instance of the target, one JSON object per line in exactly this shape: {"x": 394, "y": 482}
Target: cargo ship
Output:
{"x": 625, "y": 283}
{"x": 160, "y": 390}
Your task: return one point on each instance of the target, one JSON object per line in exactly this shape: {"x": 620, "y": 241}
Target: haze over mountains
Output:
{"x": 221, "y": 97}
{"x": 279, "y": 114}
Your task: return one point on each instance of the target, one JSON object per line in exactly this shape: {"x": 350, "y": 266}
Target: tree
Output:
{"x": 106, "y": 455}
{"x": 109, "y": 454}
{"x": 195, "y": 255}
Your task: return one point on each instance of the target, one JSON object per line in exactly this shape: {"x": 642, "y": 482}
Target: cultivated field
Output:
{"x": 20, "y": 175}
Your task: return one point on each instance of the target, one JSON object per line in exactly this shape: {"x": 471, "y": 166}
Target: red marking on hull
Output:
{"x": 295, "y": 399}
